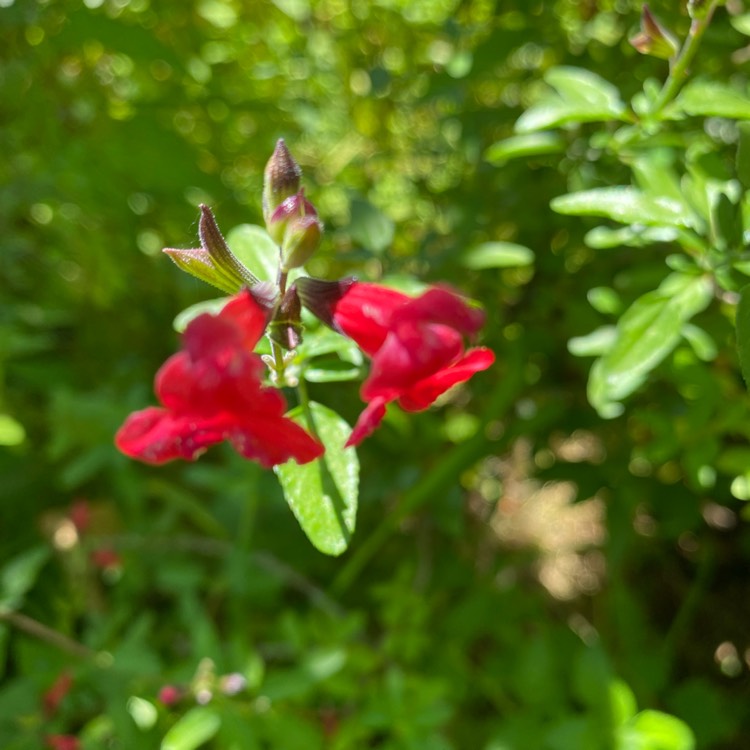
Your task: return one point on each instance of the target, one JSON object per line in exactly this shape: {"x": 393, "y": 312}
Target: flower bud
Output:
{"x": 281, "y": 179}
{"x": 301, "y": 240}
{"x": 295, "y": 205}
{"x": 653, "y": 38}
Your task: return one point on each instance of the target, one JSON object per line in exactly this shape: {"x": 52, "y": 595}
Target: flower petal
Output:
{"x": 364, "y": 314}
{"x": 424, "y": 393}
{"x": 409, "y": 355}
{"x": 369, "y": 420}
{"x": 441, "y": 305}
{"x": 275, "y": 441}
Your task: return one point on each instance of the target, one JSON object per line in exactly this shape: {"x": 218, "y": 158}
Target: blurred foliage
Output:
{"x": 525, "y": 573}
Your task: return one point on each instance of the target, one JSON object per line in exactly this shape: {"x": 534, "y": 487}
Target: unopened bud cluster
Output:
{"x": 291, "y": 220}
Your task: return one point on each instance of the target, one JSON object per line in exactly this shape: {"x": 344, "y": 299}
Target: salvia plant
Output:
{"x": 683, "y": 194}
{"x": 215, "y": 388}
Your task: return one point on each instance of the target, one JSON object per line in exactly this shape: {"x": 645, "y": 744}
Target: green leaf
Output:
{"x": 323, "y": 493}
{"x": 702, "y": 343}
{"x": 624, "y": 204}
{"x": 604, "y": 300}
{"x": 622, "y": 702}
{"x": 213, "y": 306}
{"x": 647, "y": 332}
{"x": 726, "y": 223}
{"x": 529, "y": 144}
{"x": 594, "y": 344}
{"x": 579, "y": 96}
{"x": 742, "y": 326}
{"x": 497, "y": 255}
{"x": 713, "y": 99}
{"x": 255, "y": 249}
{"x": 143, "y": 712}
{"x": 370, "y": 227}
{"x": 19, "y": 575}
{"x": 741, "y": 23}
{"x": 11, "y": 431}
{"x": 654, "y": 730}
{"x": 192, "y": 730}
{"x": 602, "y": 238}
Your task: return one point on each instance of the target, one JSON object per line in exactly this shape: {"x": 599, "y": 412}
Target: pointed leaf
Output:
{"x": 601, "y": 238}
{"x": 497, "y": 255}
{"x": 192, "y": 730}
{"x": 579, "y": 96}
{"x": 197, "y": 262}
{"x": 594, "y": 344}
{"x": 624, "y": 204}
{"x": 256, "y": 251}
{"x": 19, "y": 576}
{"x": 323, "y": 494}
{"x": 647, "y": 332}
{"x": 529, "y": 144}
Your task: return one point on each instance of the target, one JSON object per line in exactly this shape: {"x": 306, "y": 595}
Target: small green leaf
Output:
{"x": 603, "y": 238}
{"x": 529, "y": 144}
{"x": 594, "y": 344}
{"x": 702, "y": 343}
{"x": 323, "y": 493}
{"x": 143, "y": 712}
{"x": 604, "y": 300}
{"x": 713, "y": 99}
{"x": 11, "y": 431}
{"x": 741, "y": 23}
{"x": 213, "y": 306}
{"x": 647, "y": 332}
{"x": 726, "y": 223}
{"x": 497, "y": 255}
{"x": 370, "y": 227}
{"x": 19, "y": 575}
{"x": 579, "y": 96}
{"x": 622, "y": 702}
{"x": 255, "y": 250}
{"x": 192, "y": 730}
{"x": 742, "y": 326}
{"x": 624, "y": 204}
{"x": 660, "y": 731}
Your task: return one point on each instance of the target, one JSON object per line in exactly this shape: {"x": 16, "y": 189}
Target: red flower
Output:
{"x": 416, "y": 344}
{"x": 62, "y": 742}
{"x": 212, "y": 391}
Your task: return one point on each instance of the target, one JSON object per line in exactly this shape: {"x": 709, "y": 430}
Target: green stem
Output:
{"x": 278, "y": 355}
{"x": 679, "y": 69}
{"x": 451, "y": 465}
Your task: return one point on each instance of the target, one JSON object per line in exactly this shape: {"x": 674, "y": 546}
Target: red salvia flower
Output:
{"x": 416, "y": 344}
{"x": 212, "y": 391}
